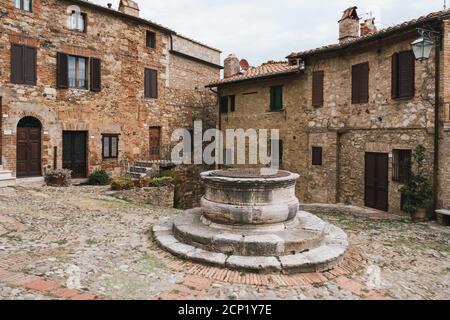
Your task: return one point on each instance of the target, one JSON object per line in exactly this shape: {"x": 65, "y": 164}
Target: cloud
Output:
{"x": 261, "y": 30}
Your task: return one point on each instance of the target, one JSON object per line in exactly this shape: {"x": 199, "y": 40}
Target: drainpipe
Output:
{"x": 437, "y": 113}
{"x": 220, "y": 114}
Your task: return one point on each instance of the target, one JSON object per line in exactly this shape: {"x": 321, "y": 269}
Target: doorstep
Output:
{"x": 32, "y": 180}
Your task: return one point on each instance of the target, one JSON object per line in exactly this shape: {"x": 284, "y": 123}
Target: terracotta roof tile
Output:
{"x": 270, "y": 68}
{"x": 382, "y": 32}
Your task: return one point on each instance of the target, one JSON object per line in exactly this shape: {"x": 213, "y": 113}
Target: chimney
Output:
{"x": 349, "y": 25}
{"x": 368, "y": 27}
{"x": 231, "y": 66}
{"x": 129, "y": 7}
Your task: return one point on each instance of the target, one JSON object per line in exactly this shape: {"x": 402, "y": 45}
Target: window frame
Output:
{"x": 86, "y": 71}
{"x": 150, "y": 39}
{"x": 315, "y": 149}
{"x": 401, "y": 165}
{"x": 108, "y": 137}
{"x": 273, "y": 97}
{"x": 77, "y": 28}
{"x": 22, "y": 5}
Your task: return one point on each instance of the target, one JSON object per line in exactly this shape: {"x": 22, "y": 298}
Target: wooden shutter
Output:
{"x": 29, "y": 65}
{"x": 232, "y": 103}
{"x": 151, "y": 39}
{"x": 276, "y": 98}
{"x": 394, "y": 76}
{"x": 62, "y": 73}
{"x": 224, "y": 104}
{"x": 316, "y": 156}
{"x": 317, "y": 90}
{"x": 96, "y": 75}
{"x": 360, "y": 83}
{"x": 151, "y": 84}
{"x": 16, "y": 63}
{"x": 406, "y": 74}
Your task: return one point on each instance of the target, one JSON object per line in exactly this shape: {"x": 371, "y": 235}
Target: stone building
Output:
{"x": 84, "y": 86}
{"x": 351, "y": 113}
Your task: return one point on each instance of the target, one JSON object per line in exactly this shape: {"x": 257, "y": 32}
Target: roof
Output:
{"x": 266, "y": 70}
{"x": 411, "y": 24}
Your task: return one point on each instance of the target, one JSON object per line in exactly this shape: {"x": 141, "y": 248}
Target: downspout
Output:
{"x": 220, "y": 114}
{"x": 437, "y": 112}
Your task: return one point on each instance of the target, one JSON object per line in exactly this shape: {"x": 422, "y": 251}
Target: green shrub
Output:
{"x": 161, "y": 182}
{"x": 122, "y": 183}
{"x": 99, "y": 178}
{"x": 165, "y": 173}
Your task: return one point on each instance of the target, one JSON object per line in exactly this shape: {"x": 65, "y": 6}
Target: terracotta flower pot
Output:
{"x": 57, "y": 181}
{"x": 420, "y": 215}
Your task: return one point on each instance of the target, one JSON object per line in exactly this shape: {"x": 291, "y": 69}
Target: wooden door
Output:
{"x": 28, "y": 152}
{"x": 75, "y": 153}
{"x": 155, "y": 143}
{"x": 376, "y": 181}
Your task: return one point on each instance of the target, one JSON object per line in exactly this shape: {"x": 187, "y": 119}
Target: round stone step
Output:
{"x": 285, "y": 239}
{"x": 320, "y": 259}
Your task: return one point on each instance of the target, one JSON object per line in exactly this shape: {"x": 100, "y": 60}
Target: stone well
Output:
{"x": 249, "y": 219}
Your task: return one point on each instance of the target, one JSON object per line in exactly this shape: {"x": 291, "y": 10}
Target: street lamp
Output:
{"x": 423, "y": 46}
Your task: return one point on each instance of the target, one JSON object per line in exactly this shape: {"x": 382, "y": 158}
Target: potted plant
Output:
{"x": 418, "y": 193}
{"x": 58, "y": 177}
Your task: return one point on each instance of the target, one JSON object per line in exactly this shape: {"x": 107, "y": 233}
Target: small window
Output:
{"x": 110, "y": 146}
{"x": 316, "y": 156}
{"x": 77, "y": 67}
{"x": 403, "y": 74}
{"x": 151, "y": 39}
{"x": 276, "y": 98}
{"x": 360, "y": 83}
{"x": 78, "y": 21}
{"x": 25, "y": 5}
{"x": 224, "y": 104}
{"x": 401, "y": 165}
{"x": 151, "y": 84}
{"x": 317, "y": 89}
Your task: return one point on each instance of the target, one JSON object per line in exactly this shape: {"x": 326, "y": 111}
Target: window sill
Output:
{"x": 276, "y": 111}
{"x": 403, "y": 99}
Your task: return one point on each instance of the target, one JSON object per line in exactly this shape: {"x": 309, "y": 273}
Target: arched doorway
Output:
{"x": 28, "y": 152}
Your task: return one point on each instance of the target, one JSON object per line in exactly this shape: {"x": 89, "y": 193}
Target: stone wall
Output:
{"x": 344, "y": 130}
{"x": 120, "y": 107}
{"x": 161, "y": 197}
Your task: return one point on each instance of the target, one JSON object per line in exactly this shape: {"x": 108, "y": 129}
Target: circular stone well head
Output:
{"x": 250, "y": 196}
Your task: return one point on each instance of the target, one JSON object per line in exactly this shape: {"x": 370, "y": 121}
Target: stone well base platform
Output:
{"x": 304, "y": 245}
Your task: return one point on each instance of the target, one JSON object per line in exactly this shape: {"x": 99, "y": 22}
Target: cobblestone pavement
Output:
{"x": 80, "y": 243}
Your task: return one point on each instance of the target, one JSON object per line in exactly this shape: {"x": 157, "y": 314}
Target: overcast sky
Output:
{"x": 261, "y": 30}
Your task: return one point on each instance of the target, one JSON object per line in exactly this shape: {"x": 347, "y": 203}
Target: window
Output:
{"x": 401, "y": 165}
{"x": 23, "y": 64}
{"x": 224, "y": 104}
{"x": 316, "y": 156}
{"x": 110, "y": 146}
{"x": 25, "y": 5}
{"x": 403, "y": 74}
{"x": 276, "y": 98}
{"x": 77, "y": 72}
{"x": 360, "y": 83}
{"x": 317, "y": 89}
{"x": 78, "y": 21}
{"x": 151, "y": 84}
{"x": 151, "y": 39}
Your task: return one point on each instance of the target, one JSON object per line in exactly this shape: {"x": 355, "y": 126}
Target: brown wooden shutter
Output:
{"x": 29, "y": 64}
{"x": 360, "y": 83}
{"x": 316, "y": 156}
{"x": 147, "y": 83}
{"x": 394, "y": 76}
{"x": 406, "y": 74}
{"x": 317, "y": 90}
{"x": 62, "y": 73}
{"x": 96, "y": 75}
{"x": 153, "y": 84}
{"x": 16, "y": 63}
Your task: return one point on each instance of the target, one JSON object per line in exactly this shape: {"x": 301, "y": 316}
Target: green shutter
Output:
{"x": 276, "y": 98}
{"x": 224, "y": 104}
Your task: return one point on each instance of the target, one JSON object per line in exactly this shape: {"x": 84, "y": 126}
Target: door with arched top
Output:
{"x": 29, "y": 157}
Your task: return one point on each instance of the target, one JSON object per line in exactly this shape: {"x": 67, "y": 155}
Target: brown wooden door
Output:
{"x": 75, "y": 153}
{"x": 155, "y": 143}
{"x": 376, "y": 181}
{"x": 28, "y": 152}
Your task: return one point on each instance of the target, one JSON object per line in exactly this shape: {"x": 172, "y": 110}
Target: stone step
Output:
{"x": 323, "y": 258}
{"x": 189, "y": 228}
{"x": 5, "y": 174}
{"x": 139, "y": 169}
{"x": 6, "y": 178}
